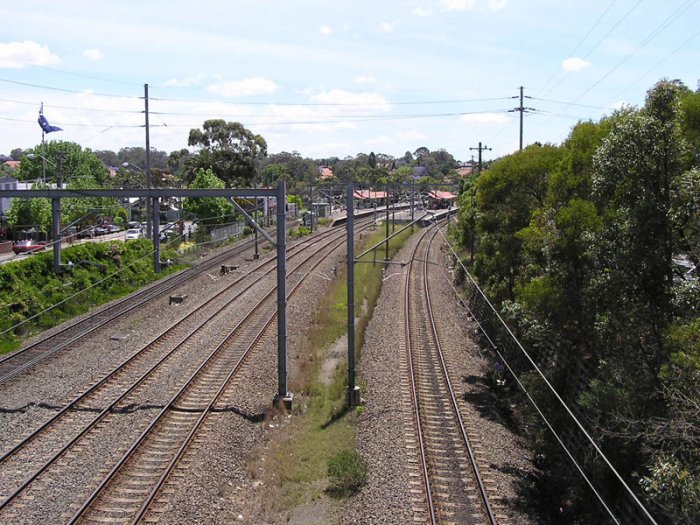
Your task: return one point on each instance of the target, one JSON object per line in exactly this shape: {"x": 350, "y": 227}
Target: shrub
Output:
{"x": 348, "y": 473}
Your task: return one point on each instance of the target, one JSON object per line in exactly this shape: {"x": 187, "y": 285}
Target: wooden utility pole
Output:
{"x": 522, "y": 109}
{"x": 480, "y": 148}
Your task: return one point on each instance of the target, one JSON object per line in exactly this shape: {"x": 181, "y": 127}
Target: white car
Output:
{"x": 133, "y": 233}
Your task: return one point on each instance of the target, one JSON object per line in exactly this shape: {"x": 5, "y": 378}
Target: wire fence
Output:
{"x": 514, "y": 365}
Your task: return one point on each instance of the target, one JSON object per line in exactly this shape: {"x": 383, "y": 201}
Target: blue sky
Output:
{"x": 335, "y": 78}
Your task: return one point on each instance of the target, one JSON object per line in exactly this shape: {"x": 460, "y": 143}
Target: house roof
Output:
{"x": 441, "y": 195}
{"x": 14, "y": 164}
{"x": 368, "y": 194}
{"x": 325, "y": 172}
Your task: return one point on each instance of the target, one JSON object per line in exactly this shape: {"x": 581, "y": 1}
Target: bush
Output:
{"x": 348, "y": 473}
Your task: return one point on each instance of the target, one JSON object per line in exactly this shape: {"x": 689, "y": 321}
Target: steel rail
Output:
{"x": 453, "y": 398}
{"x": 302, "y": 247}
{"x": 414, "y": 392}
{"x": 121, "y": 464}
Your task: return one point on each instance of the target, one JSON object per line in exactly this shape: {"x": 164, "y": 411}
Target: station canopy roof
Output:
{"x": 441, "y": 195}
{"x": 369, "y": 194}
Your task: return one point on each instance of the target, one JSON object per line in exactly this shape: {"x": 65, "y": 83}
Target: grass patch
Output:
{"x": 316, "y": 455}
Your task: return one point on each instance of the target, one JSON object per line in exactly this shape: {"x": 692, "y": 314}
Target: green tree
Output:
{"x": 210, "y": 210}
{"x": 30, "y": 213}
{"x": 228, "y": 149}
{"x": 506, "y": 195}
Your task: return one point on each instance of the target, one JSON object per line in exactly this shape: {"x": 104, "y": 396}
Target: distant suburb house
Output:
{"x": 325, "y": 172}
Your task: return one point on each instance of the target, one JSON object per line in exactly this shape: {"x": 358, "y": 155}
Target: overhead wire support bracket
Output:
{"x": 252, "y": 222}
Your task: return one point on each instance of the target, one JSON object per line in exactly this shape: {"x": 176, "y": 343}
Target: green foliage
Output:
{"x": 348, "y": 473}
{"x": 675, "y": 486}
{"x": 210, "y": 210}
{"x": 228, "y": 149}
{"x": 296, "y": 233}
{"x": 575, "y": 244}
{"x": 33, "y": 297}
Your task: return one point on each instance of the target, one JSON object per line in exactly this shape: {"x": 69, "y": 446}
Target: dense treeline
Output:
{"x": 576, "y": 245}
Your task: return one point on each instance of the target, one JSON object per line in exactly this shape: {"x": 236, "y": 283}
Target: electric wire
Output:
{"x": 571, "y": 53}
{"x": 677, "y": 13}
{"x": 595, "y": 46}
{"x": 561, "y": 402}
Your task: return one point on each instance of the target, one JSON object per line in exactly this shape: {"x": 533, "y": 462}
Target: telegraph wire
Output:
{"x": 681, "y": 46}
{"x": 82, "y": 108}
{"x": 65, "y": 90}
{"x": 653, "y": 34}
{"x": 571, "y": 53}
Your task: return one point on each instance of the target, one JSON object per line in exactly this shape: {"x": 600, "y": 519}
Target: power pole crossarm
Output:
{"x": 480, "y": 148}
{"x": 522, "y": 109}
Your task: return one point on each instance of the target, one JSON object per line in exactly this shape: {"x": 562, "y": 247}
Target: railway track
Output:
{"x": 26, "y": 357}
{"x": 447, "y": 485}
{"x": 39, "y": 456}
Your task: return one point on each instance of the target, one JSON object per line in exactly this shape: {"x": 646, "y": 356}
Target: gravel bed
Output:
{"x": 233, "y": 452}
{"x": 225, "y": 467}
{"x": 386, "y": 499}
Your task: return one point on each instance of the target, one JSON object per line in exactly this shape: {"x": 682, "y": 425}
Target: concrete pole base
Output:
{"x": 354, "y": 397}
{"x": 284, "y": 401}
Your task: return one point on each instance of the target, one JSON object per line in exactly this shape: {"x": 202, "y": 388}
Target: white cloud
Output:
{"x": 364, "y": 79}
{"x": 18, "y": 55}
{"x": 381, "y": 140}
{"x": 497, "y": 4}
{"x": 387, "y": 27}
{"x": 243, "y": 88}
{"x": 421, "y": 12}
{"x": 192, "y": 81}
{"x": 366, "y": 101}
{"x": 575, "y": 64}
{"x": 325, "y": 30}
{"x": 458, "y": 5}
{"x": 484, "y": 118}
{"x": 412, "y": 134}
{"x": 93, "y": 54}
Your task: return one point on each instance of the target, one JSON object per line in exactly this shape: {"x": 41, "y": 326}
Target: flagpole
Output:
{"x": 43, "y": 147}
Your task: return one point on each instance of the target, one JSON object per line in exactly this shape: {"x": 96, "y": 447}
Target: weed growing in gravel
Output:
{"x": 348, "y": 473}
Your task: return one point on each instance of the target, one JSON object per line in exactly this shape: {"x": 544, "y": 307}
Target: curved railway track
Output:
{"x": 448, "y": 486}
{"x": 34, "y": 457}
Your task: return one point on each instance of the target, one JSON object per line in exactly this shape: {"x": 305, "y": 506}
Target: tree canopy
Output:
{"x": 228, "y": 149}
{"x": 576, "y": 243}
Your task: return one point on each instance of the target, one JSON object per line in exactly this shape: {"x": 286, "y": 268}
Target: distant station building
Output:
{"x": 369, "y": 198}
{"x": 437, "y": 200}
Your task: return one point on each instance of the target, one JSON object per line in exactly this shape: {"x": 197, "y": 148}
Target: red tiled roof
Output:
{"x": 441, "y": 195}
{"x": 14, "y": 164}
{"x": 368, "y": 194}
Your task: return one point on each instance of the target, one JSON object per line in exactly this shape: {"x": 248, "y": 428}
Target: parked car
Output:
{"x": 133, "y": 233}
{"x": 88, "y": 232}
{"x": 113, "y": 228}
{"x": 28, "y": 246}
{"x": 102, "y": 229}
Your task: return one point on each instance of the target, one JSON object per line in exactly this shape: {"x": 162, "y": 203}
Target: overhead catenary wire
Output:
{"x": 559, "y": 399}
{"x": 672, "y": 17}
{"x": 575, "y": 48}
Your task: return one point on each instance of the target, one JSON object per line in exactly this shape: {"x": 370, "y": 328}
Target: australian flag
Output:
{"x": 48, "y": 128}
